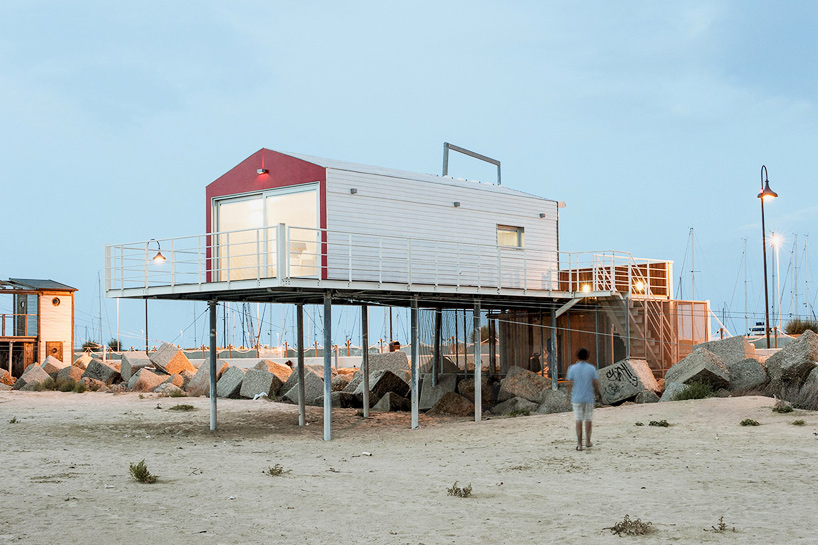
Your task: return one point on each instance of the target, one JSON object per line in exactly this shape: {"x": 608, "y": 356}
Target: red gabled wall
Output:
{"x": 284, "y": 171}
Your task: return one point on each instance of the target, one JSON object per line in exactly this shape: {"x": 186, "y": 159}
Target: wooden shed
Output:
{"x": 36, "y": 321}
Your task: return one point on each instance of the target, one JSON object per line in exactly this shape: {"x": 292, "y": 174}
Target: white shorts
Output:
{"x": 583, "y": 412}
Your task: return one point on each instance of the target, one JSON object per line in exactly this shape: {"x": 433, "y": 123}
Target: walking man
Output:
{"x": 582, "y": 384}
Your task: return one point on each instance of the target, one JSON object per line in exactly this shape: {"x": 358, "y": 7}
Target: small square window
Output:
{"x": 513, "y": 237}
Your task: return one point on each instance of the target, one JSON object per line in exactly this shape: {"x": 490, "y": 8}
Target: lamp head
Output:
{"x": 767, "y": 194}
{"x": 639, "y": 285}
{"x": 158, "y": 258}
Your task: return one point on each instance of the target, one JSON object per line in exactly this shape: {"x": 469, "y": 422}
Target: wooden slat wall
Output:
{"x": 56, "y": 324}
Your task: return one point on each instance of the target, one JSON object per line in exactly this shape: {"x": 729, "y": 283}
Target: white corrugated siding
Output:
{"x": 55, "y": 324}
{"x": 387, "y": 206}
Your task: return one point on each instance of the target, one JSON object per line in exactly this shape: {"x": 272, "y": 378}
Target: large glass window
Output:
{"x": 246, "y": 245}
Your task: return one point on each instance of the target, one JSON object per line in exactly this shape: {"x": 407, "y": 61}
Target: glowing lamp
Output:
{"x": 158, "y": 258}
{"x": 640, "y": 285}
{"x": 261, "y": 171}
{"x": 586, "y": 288}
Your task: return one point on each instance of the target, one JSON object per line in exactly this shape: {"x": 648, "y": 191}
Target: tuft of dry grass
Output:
{"x": 459, "y": 492}
{"x": 721, "y": 527}
{"x": 276, "y": 471}
{"x": 183, "y": 407}
{"x": 782, "y": 406}
{"x": 659, "y": 423}
{"x": 141, "y": 474}
{"x": 628, "y": 527}
{"x": 749, "y": 422}
{"x": 799, "y": 422}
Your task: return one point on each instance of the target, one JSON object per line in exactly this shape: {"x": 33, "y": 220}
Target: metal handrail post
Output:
{"x": 172, "y": 264}
{"x": 146, "y": 265}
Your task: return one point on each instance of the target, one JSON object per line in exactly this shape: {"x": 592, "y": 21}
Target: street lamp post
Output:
{"x": 766, "y": 193}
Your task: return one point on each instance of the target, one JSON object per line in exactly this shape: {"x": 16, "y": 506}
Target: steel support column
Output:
{"x": 478, "y": 366}
{"x": 553, "y": 353}
{"x": 327, "y": 366}
{"x": 365, "y": 356}
{"x": 212, "y": 308}
{"x": 302, "y": 405}
{"x": 436, "y": 359}
{"x": 415, "y": 351}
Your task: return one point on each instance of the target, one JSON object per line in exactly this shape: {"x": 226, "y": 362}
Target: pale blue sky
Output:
{"x": 647, "y": 118}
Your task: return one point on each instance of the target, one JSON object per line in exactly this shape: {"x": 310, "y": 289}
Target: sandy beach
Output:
{"x": 66, "y": 479}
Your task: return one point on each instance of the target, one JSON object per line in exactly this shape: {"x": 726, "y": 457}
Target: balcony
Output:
{"x": 283, "y": 258}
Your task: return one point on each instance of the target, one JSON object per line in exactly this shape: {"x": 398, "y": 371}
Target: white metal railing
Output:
{"x": 284, "y": 253}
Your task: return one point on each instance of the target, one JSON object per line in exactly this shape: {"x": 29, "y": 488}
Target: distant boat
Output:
{"x": 757, "y": 330}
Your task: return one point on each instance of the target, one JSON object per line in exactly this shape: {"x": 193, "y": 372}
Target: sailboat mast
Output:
{"x": 795, "y": 273}
{"x": 806, "y": 270}
{"x": 746, "y": 324}
{"x": 692, "y": 270}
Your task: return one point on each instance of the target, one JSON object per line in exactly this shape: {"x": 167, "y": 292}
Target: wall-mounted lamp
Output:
{"x": 542, "y": 214}
{"x": 261, "y": 171}
{"x": 457, "y": 204}
{"x": 158, "y": 258}
{"x": 586, "y": 288}
{"x": 640, "y": 286}
{"x": 353, "y": 191}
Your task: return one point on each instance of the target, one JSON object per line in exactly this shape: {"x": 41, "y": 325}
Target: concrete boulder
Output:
{"x": 200, "y": 383}
{"x": 167, "y": 389}
{"x": 356, "y": 379}
{"x": 672, "y": 389}
{"x": 466, "y": 388}
{"x": 145, "y": 381}
{"x": 280, "y": 371}
{"x": 447, "y": 365}
{"x": 430, "y": 395}
{"x": 171, "y": 360}
{"x": 389, "y": 361}
{"x": 52, "y": 366}
{"x": 516, "y": 405}
{"x": 730, "y": 350}
{"x": 746, "y": 375}
{"x": 339, "y": 383}
{"x": 391, "y": 401}
{"x": 256, "y": 382}
{"x": 319, "y": 370}
{"x": 624, "y": 380}
{"x": 177, "y": 380}
{"x": 292, "y": 380}
{"x": 229, "y": 384}
{"x": 104, "y": 372}
{"x": 791, "y": 365}
{"x": 520, "y": 382}
{"x": 812, "y": 379}
{"x": 94, "y": 385}
{"x": 380, "y": 382}
{"x": 313, "y": 389}
{"x": 68, "y": 374}
{"x": 6, "y": 378}
{"x": 701, "y": 365}
{"x": 646, "y": 396}
{"x": 32, "y": 378}
{"x": 133, "y": 362}
{"x": 82, "y": 361}
{"x": 553, "y": 401}
{"x": 452, "y": 404}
